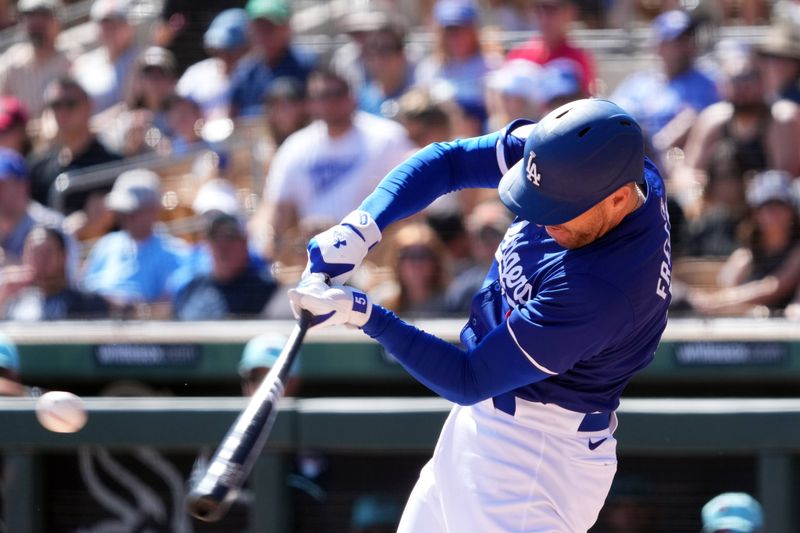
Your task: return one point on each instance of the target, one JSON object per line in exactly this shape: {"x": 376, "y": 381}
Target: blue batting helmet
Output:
{"x": 574, "y": 157}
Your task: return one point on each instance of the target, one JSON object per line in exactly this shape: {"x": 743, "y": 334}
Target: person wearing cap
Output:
{"x": 106, "y": 72}
{"x": 285, "y": 111}
{"x": 19, "y": 214}
{"x": 357, "y": 24}
{"x": 40, "y": 289}
{"x": 207, "y": 82}
{"x": 27, "y": 67}
{"x": 375, "y": 512}
{"x": 762, "y": 275}
{"x": 258, "y": 358}
{"x": 181, "y": 25}
{"x": 666, "y": 100}
{"x": 780, "y": 60}
{"x": 275, "y": 56}
{"x": 133, "y": 265}
{"x": 13, "y": 125}
{"x": 732, "y": 512}
{"x": 512, "y": 92}
{"x": 236, "y": 286}
{"x": 554, "y": 19}
{"x": 425, "y": 119}
{"x": 74, "y": 147}
{"x": 572, "y": 307}
{"x": 458, "y": 66}
{"x": 9, "y": 368}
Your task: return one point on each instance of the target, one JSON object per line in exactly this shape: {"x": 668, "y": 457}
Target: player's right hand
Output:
{"x": 338, "y": 251}
{"x": 330, "y": 305}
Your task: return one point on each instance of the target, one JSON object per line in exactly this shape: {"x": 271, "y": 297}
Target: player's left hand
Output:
{"x": 330, "y": 305}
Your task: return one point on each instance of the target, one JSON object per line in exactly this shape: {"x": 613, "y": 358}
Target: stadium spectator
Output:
{"x": 630, "y": 507}
{"x": 730, "y": 141}
{"x": 285, "y": 109}
{"x": 510, "y": 15}
{"x": 780, "y": 61}
{"x": 26, "y": 68}
{"x": 139, "y": 125}
{"x": 425, "y": 120}
{"x": 486, "y": 225}
{"x": 9, "y": 371}
{"x": 106, "y": 71}
{"x": 458, "y": 66}
{"x": 420, "y": 264}
{"x": 275, "y": 56}
{"x": 184, "y": 122}
{"x": 207, "y": 82}
{"x": 554, "y": 19}
{"x": 358, "y": 23}
{"x": 732, "y": 512}
{"x": 559, "y": 84}
{"x": 39, "y": 289}
{"x": 13, "y": 125}
{"x": 511, "y": 93}
{"x": 132, "y": 266}
{"x": 375, "y": 512}
{"x": 259, "y": 356}
{"x": 446, "y": 217}
{"x": 181, "y": 25}
{"x": 764, "y": 273}
{"x": 19, "y": 214}
{"x": 324, "y": 168}
{"x": 665, "y": 101}
{"x": 285, "y": 112}
{"x": 73, "y": 147}
{"x": 390, "y": 73}
{"x": 236, "y": 287}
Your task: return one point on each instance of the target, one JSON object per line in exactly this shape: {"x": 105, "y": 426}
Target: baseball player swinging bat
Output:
{"x": 230, "y": 466}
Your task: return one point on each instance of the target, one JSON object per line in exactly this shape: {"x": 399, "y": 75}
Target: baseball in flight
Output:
{"x": 61, "y": 411}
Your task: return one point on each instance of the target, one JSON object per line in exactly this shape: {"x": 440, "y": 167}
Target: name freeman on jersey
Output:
{"x": 663, "y": 284}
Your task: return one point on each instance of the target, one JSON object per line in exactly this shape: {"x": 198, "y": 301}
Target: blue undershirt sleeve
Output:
{"x": 438, "y": 169}
{"x": 494, "y": 366}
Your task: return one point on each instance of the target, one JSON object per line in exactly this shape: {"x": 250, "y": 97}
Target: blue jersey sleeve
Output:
{"x": 569, "y": 321}
{"x": 441, "y": 168}
{"x": 492, "y": 367}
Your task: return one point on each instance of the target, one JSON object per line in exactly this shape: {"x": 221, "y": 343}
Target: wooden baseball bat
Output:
{"x": 231, "y": 464}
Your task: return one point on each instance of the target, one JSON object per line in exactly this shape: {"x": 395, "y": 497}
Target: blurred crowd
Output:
{"x": 171, "y": 160}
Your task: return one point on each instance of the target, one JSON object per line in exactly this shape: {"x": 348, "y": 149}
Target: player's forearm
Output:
{"x": 435, "y": 170}
{"x": 495, "y": 366}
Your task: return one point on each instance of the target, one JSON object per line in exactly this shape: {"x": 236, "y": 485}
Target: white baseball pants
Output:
{"x": 533, "y": 472}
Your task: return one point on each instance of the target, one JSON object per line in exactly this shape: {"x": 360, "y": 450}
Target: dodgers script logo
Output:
{"x": 531, "y": 170}
{"x": 513, "y": 278}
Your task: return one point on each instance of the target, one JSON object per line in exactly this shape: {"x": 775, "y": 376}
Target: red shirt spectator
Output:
{"x": 555, "y": 18}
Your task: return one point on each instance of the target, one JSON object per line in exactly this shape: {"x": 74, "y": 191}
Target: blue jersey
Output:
{"x": 551, "y": 325}
{"x": 590, "y": 317}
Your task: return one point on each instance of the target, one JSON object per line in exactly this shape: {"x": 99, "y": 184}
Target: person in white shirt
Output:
{"x": 325, "y": 168}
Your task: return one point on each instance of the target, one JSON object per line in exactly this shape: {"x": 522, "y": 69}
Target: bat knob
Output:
{"x": 205, "y": 508}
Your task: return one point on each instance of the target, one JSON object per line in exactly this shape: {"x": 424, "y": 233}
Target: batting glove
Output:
{"x": 330, "y": 305}
{"x": 338, "y": 251}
